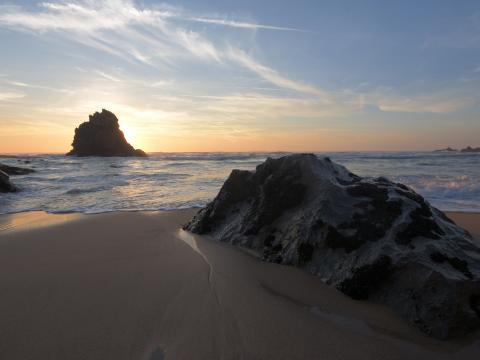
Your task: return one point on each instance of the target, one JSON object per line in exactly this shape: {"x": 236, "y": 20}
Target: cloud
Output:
{"x": 436, "y": 102}
{"x": 144, "y": 35}
{"x": 108, "y": 76}
{"x": 241, "y": 24}
{"x": 112, "y": 26}
{"x": 8, "y": 96}
{"x": 89, "y": 16}
{"x": 162, "y": 36}
{"x": 273, "y": 76}
{"x": 422, "y": 104}
{"x": 198, "y": 46}
{"x": 254, "y": 106}
{"x": 117, "y": 27}
{"x": 27, "y": 86}
{"x": 19, "y": 84}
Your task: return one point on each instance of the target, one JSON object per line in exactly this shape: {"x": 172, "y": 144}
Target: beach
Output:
{"x": 133, "y": 285}
{"x": 251, "y": 180}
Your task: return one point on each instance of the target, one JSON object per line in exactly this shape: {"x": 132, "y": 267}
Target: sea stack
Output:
{"x": 101, "y": 136}
{"x": 371, "y": 238}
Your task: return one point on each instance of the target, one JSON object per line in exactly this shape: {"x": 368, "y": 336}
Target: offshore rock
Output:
{"x": 14, "y": 170}
{"x": 101, "y": 136}
{"x": 369, "y": 237}
{"x": 469, "y": 149}
{"x": 5, "y": 184}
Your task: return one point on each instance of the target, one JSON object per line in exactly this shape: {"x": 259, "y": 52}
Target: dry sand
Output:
{"x": 134, "y": 286}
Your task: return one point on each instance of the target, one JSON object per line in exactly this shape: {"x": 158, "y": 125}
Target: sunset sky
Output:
{"x": 225, "y": 75}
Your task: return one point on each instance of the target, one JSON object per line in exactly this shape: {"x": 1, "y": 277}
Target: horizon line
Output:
{"x": 3, "y": 154}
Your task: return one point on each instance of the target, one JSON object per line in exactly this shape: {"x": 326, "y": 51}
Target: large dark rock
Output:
{"x": 5, "y": 184}
{"x": 369, "y": 237}
{"x": 101, "y": 136}
{"x": 13, "y": 170}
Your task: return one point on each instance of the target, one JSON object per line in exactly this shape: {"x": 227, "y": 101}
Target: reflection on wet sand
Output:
{"x": 33, "y": 220}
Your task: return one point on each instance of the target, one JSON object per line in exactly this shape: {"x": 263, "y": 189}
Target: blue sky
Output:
{"x": 242, "y": 75}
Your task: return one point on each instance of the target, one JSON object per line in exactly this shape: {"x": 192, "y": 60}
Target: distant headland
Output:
{"x": 101, "y": 136}
{"x": 468, "y": 149}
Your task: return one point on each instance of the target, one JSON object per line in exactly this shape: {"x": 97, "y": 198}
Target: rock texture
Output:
{"x": 101, "y": 136}
{"x": 370, "y": 237}
{"x": 5, "y": 184}
{"x": 13, "y": 170}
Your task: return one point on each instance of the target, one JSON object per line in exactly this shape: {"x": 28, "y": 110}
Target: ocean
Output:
{"x": 166, "y": 181}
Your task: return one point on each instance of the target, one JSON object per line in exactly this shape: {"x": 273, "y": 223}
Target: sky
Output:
{"x": 250, "y": 75}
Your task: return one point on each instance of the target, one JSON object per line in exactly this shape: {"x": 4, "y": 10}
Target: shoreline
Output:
{"x": 28, "y": 220}
{"x": 128, "y": 285}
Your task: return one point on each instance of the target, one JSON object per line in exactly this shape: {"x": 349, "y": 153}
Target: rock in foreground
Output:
{"x": 101, "y": 136}
{"x": 369, "y": 237}
{"x": 5, "y": 184}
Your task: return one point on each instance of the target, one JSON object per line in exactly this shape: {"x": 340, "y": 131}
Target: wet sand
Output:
{"x": 33, "y": 220}
{"x": 134, "y": 286}
{"x": 469, "y": 221}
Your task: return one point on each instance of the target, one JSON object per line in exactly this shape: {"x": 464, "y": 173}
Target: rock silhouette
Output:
{"x": 5, "y": 184}
{"x": 14, "y": 170}
{"x": 469, "y": 149}
{"x": 369, "y": 237}
{"x": 448, "y": 149}
{"x": 101, "y": 136}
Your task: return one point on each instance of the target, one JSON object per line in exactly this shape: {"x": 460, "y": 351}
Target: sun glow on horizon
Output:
{"x": 130, "y": 134}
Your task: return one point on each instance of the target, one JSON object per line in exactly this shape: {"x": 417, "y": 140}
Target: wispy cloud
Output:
{"x": 7, "y": 96}
{"x": 435, "y": 102}
{"x": 108, "y": 76}
{"x": 19, "y": 84}
{"x": 423, "y": 104}
{"x": 240, "y": 24}
{"x": 273, "y": 76}
{"x": 101, "y": 24}
{"x": 113, "y": 27}
{"x": 26, "y": 86}
{"x": 163, "y": 36}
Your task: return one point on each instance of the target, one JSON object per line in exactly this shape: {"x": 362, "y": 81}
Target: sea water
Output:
{"x": 165, "y": 181}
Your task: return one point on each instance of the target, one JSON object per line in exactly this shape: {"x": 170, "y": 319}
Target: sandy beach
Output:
{"x": 469, "y": 221}
{"x": 239, "y": 180}
{"x": 132, "y": 285}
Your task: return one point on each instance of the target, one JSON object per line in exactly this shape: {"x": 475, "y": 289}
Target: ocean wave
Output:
{"x": 77, "y": 191}
{"x": 168, "y": 181}
{"x": 180, "y": 164}
{"x": 212, "y": 156}
{"x": 36, "y": 178}
{"x": 157, "y": 176}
